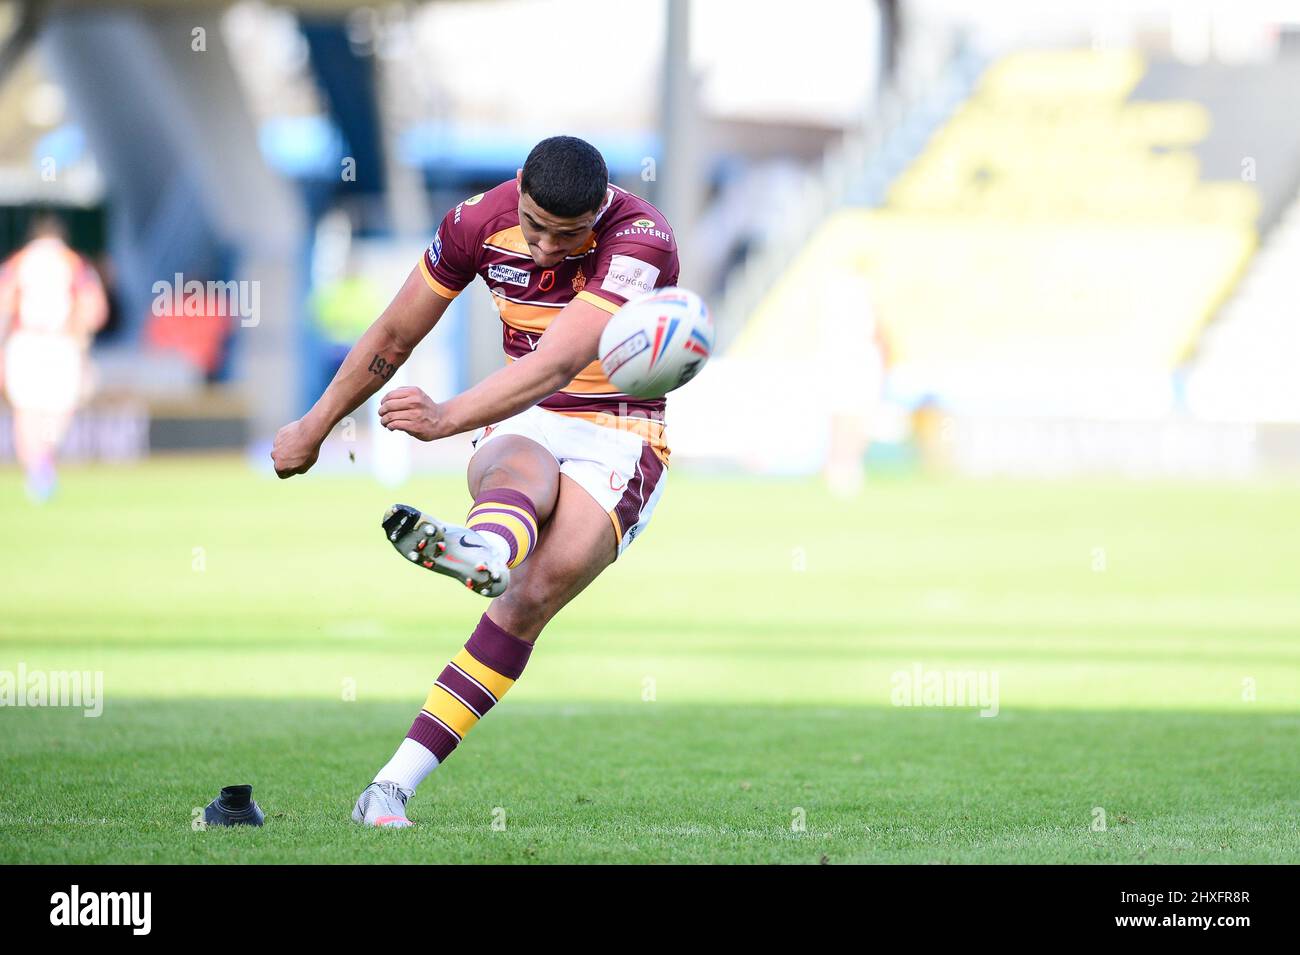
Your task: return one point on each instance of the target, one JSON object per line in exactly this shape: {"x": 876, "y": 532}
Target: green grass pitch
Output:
{"x": 723, "y": 694}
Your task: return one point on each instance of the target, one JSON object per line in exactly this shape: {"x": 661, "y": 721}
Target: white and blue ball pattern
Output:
{"x": 657, "y": 343}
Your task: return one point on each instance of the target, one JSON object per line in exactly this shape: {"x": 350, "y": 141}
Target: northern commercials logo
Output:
{"x": 74, "y": 907}
{"x": 508, "y": 274}
{"x": 194, "y": 298}
{"x": 435, "y": 248}
{"x": 75, "y": 688}
{"x": 628, "y": 276}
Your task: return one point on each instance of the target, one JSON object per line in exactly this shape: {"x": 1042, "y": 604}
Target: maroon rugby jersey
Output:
{"x": 631, "y": 250}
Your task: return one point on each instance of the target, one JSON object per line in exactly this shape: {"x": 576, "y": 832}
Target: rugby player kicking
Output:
{"x": 565, "y": 472}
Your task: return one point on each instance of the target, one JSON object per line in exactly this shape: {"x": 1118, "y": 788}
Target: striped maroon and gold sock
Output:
{"x": 469, "y": 686}
{"x": 510, "y": 516}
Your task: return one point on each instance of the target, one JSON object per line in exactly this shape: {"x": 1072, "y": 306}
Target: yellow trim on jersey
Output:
{"x": 494, "y": 682}
{"x": 433, "y": 283}
{"x": 599, "y": 302}
{"x": 511, "y": 239}
{"x": 450, "y": 710}
{"x": 590, "y": 381}
{"x": 618, "y": 531}
{"x": 524, "y": 318}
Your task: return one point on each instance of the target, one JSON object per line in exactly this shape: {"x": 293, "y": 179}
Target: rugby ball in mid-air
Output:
{"x": 657, "y": 342}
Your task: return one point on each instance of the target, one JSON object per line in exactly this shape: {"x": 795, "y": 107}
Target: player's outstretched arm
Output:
{"x": 383, "y": 349}
{"x": 569, "y": 345}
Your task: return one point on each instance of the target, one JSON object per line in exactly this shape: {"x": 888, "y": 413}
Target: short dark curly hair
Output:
{"x": 566, "y": 176}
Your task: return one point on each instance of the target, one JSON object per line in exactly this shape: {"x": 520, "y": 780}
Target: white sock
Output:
{"x": 409, "y": 765}
{"x": 500, "y": 546}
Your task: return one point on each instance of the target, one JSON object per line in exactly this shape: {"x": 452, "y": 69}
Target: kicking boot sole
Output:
{"x": 422, "y": 540}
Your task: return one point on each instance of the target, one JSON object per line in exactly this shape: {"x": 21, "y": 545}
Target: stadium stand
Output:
{"x": 1054, "y": 254}
{"x": 1245, "y": 367}
{"x": 1052, "y": 237}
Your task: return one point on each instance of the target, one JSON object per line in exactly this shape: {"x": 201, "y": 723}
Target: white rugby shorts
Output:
{"x": 617, "y": 467}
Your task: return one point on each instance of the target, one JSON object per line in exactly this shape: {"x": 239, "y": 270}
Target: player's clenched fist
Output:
{"x": 296, "y": 449}
{"x": 411, "y": 410}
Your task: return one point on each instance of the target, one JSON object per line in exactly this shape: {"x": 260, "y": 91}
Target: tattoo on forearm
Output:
{"x": 382, "y": 367}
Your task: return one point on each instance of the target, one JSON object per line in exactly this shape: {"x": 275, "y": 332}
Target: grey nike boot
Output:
{"x": 447, "y": 549}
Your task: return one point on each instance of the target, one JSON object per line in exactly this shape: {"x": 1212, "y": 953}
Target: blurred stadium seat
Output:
{"x": 1051, "y": 237}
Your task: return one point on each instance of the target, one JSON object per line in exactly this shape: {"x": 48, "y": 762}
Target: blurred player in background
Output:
{"x": 51, "y": 305}
{"x": 566, "y": 470}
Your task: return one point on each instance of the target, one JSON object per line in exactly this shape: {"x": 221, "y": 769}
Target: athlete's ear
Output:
{"x": 519, "y": 181}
